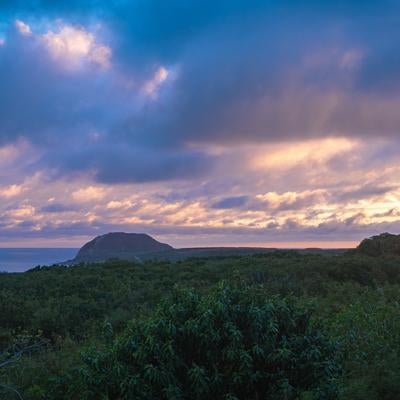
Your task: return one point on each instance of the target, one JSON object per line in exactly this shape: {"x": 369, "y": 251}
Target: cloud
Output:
{"x": 289, "y": 154}
{"x": 54, "y": 103}
{"x": 88, "y": 194}
{"x": 11, "y": 191}
{"x": 23, "y": 28}
{"x": 71, "y": 45}
{"x": 118, "y": 164}
{"x": 115, "y": 204}
{"x": 363, "y": 192}
{"x": 21, "y": 213}
{"x": 292, "y": 200}
{"x": 211, "y": 118}
{"x": 235, "y": 84}
{"x": 230, "y": 202}
{"x": 150, "y": 87}
{"x": 58, "y": 208}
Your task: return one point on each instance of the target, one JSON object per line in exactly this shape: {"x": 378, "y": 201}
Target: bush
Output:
{"x": 369, "y": 330}
{"x": 231, "y": 344}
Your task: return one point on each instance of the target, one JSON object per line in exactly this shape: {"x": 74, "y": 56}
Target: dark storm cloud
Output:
{"x": 230, "y": 202}
{"x": 245, "y": 72}
{"x": 47, "y": 104}
{"x": 58, "y": 208}
{"x": 244, "y": 78}
{"x": 120, "y": 164}
{"x": 299, "y": 202}
{"x": 363, "y": 192}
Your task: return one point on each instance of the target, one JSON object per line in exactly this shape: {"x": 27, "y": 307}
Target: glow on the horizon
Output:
{"x": 77, "y": 242}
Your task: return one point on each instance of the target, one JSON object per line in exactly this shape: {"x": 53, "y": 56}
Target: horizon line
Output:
{"x": 333, "y": 245}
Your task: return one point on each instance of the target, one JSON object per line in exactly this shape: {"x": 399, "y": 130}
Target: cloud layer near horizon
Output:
{"x": 232, "y": 121}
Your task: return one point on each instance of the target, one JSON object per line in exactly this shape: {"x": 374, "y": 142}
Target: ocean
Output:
{"x": 22, "y": 259}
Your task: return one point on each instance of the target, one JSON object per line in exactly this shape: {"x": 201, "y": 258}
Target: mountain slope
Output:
{"x": 125, "y": 246}
{"x": 380, "y": 245}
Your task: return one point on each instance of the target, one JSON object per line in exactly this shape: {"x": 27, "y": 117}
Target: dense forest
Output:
{"x": 283, "y": 325}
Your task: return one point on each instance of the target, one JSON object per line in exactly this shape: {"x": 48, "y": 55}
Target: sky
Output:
{"x": 202, "y": 123}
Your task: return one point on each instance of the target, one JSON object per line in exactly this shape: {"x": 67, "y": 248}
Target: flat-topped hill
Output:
{"x": 119, "y": 245}
{"x": 141, "y": 247}
{"x": 380, "y": 245}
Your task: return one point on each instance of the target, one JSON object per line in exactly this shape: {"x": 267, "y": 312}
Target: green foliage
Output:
{"x": 234, "y": 343}
{"x": 370, "y": 332}
{"x": 35, "y": 374}
{"x": 380, "y": 245}
{"x": 78, "y": 309}
{"x": 21, "y": 345}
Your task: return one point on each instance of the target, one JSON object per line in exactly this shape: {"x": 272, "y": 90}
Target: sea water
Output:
{"x": 22, "y": 259}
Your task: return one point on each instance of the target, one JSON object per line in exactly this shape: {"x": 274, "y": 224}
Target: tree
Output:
{"x": 231, "y": 344}
{"x": 23, "y": 344}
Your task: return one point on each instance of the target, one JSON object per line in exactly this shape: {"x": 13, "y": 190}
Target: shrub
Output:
{"x": 369, "y": 330}
{"x": 231, "y": 344}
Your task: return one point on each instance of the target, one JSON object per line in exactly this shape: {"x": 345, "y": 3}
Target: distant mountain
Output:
{"x": 125, "y": 246}
{"x": 141, "y": 247}
{"x": 380, "y": 245}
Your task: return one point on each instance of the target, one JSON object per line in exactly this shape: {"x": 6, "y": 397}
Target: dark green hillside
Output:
{"x": 66, "y": 330}
{"x": 380, "y": 245}
{"x": 127, "y": 246}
